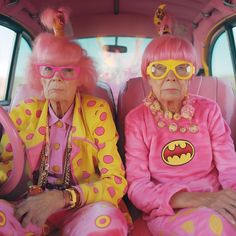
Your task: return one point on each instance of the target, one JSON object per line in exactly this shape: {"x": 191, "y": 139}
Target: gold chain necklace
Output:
{"x": 44, "y": 165}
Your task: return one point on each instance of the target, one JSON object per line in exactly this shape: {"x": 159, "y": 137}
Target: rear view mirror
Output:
{"x": 115, "y": 48}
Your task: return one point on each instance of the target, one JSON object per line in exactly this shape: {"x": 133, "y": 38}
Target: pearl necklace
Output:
{"x": 182, "y": 122}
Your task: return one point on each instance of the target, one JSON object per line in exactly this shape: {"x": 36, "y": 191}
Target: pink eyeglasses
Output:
{"x": 66, "y": 72}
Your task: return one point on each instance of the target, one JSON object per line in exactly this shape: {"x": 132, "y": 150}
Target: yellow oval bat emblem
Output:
{"x": 178, "y": 152}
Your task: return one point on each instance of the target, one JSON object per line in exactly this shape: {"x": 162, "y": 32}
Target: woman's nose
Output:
{"x": 57, "y": 76}
{"x": 171, "y": 76}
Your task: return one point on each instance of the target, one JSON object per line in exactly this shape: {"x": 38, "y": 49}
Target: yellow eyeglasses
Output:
{"x": 158, "y": 70}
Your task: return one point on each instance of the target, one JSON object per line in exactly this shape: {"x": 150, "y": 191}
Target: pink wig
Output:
{"x": 55, "y": 50}
{"x": 167, "y": 47}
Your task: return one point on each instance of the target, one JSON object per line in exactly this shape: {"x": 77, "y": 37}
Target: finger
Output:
{"x": 21, "y": 204}
{"x": 34, "y": 220}
{"x": 20, "y": 212}
{"x": 26, "y": 220}
{"x": 39, "y": 221}
{"x": 229, "y": 208}
{"x": 232, "y": 210}
{"x": 227, "y": 215}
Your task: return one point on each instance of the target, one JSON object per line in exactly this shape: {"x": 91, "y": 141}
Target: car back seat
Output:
{"x": 101, "y": 90}
{"x": 134, "y": 91}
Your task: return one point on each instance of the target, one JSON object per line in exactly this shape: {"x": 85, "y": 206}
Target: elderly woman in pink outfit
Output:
{"x": 75, "y": 173}
{"x": 179, "y": 151}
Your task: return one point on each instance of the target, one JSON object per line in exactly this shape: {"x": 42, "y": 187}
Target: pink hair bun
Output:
{"x": 49, "y": 16}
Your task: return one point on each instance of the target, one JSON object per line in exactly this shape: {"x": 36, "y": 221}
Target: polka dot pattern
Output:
{"x": 56, "y": 146}
{"x": 101, "y": 145}
{"x": 108, "y": 159}
{"x": 56, "y": 168}
{"x": 85, "y": 175}
{"x": 95, "y": 190}
{"x": 104, "y": 170}
{"x": 8, "y": 147}
{"x": 99, "y": 131}
{"x": 216, "y": 225}
{"x": 38, "y": 113}
{"x": 103, "y": 116}
{"x": 118, "y": 180}
{"x": 42, "y": 130}
{"x": 91, "y": 103}
{"x": 28, "y": 112}
{"x": 29, "y": 136}
{"x": 59, "y": 124}
{"x": 18, "y": 121}
{"x": 2, "y": 219}
{"x": 111, "y": 191}
{"x": 188, "y": 227}
{"x": 79, "y": 162}
{"x": 102, "y": 221}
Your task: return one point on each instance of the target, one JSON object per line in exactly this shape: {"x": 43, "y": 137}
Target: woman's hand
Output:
{"x": 223, "y": 202}
{"x": 36, "y": 209}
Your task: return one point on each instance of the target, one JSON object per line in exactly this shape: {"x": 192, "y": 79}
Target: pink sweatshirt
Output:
{"x": 160, "y": 163}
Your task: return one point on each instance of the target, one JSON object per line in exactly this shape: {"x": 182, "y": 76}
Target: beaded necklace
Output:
{"x": 182, "y": 122}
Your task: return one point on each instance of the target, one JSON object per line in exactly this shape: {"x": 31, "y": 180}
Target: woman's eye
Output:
{"x": 183, "y": 67}
{"x": 158, "y": 68}
{"x": 48, "y": 69}
{"x": 68, "y": 70}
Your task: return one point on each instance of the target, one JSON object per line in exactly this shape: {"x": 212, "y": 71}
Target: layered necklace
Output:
{"x": 175, "y": 122}
{"x": 44, "y": 165}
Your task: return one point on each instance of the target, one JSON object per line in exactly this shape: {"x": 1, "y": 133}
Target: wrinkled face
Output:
{"x": 170, "y": 88}
{"x": 169, "y": 79}
{"x": 59, "y": 83}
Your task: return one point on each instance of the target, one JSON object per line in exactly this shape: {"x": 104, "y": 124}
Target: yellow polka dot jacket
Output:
{"x": 96, "y": 167}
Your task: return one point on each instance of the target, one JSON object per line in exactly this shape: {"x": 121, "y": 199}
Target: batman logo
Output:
{"x": 178, "y": 152}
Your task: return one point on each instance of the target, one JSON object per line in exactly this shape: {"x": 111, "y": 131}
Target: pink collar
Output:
{"x": 67, "y": 118}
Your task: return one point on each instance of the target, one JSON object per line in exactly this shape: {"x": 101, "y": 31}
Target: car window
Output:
{"x": 115, "y": 67}
{"x": 222, "y": 53}
{"x": 21, "y": 64}
{"x": 8, "y": 37}
{"x": 223, "y": 69}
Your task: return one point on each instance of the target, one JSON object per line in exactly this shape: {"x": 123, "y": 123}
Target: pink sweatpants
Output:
{"x": 97, "y": 219}
{"x": 192, "y": 222}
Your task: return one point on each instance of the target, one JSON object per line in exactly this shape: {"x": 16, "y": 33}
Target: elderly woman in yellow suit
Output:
{"x": 70, "y": 140}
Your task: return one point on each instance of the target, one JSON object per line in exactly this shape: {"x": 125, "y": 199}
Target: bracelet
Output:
{"x": 34, "y": 190}
{"x": 74, "y": 198}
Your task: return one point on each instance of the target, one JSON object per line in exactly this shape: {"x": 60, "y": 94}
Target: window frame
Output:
{"x": 21, "y": 32}
{"x": 225, "y": 27}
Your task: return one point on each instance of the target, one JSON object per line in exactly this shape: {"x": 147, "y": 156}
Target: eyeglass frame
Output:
{"x": 171, "y": 65}
{"x": 57, "y": 69}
